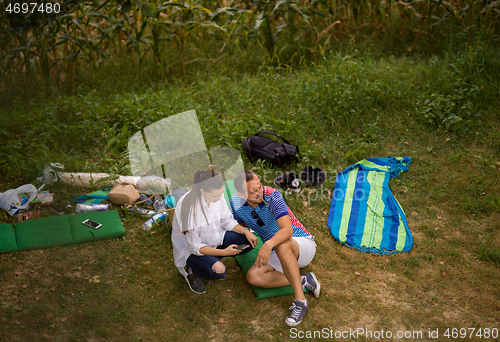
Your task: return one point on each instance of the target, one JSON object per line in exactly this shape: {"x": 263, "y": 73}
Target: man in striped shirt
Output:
{"x": 287, "y": 245}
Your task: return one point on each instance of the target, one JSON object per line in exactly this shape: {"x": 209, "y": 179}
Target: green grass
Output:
{"x": 486, "y": 252}
{"x": 339, "y": 111}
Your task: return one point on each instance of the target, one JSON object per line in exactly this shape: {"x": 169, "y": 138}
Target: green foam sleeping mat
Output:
{"x": 59, "y": 231}
{"x": 246, "y": 261}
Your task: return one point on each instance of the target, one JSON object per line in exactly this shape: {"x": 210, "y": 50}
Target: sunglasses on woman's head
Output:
{"x": 259, "y": 220}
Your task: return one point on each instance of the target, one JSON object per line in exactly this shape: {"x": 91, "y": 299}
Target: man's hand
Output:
{"x": 252, "y": 239}
{"x": 264, "y": 254}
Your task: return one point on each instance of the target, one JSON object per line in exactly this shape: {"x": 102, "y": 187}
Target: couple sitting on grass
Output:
{"x": 205, "y": 230}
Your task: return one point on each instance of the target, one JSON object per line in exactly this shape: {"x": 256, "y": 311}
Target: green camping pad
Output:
{"x": 246, "y": 261}
{"x": 59, "y": 231}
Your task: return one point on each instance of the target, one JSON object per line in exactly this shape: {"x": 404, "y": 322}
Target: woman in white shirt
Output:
{"x": 204, "y": 231}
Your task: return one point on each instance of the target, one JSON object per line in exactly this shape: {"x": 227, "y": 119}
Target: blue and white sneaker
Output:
{"x": 297, "y": 315}
{"x": 310, "y": 282}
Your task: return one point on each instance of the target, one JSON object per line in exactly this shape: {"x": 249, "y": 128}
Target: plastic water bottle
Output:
{"x": 142, "y": 211}
{"x": 89, "y": 208}
{"x": 148, "y": 225}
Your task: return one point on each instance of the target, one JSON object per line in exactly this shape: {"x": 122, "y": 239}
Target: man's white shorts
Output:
{"x": 307, "y": 251}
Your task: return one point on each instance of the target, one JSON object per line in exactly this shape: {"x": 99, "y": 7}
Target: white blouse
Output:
{"x": 209, "y": 229}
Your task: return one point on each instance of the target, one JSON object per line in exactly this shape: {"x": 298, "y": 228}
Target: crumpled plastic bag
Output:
{"x": 49, "y": 175}
{"x": 17, "y": 199}
{"x": 153, "y": 184}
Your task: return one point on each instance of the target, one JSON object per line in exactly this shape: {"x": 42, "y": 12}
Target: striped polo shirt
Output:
{"x": 269, "y": 213}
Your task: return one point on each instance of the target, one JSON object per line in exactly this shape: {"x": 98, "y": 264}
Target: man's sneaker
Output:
{"x": 310, "y": 282}
{"x": 195, "y": 284}
{"x": 297, "y": 315}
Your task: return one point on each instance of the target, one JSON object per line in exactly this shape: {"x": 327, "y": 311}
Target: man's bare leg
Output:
{"x": 267, "y": 277}
{"x": 288, "y": 253}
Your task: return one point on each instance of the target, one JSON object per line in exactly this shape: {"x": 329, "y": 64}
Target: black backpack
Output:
{"x": 260, "y": 147}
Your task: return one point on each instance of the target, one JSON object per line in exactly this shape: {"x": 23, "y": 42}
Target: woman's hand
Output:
{"x": 232, "y": 250}
{"x": 252, "y": 239}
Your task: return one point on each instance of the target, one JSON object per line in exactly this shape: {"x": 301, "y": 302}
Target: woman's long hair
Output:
{"x": 207, "y": 181}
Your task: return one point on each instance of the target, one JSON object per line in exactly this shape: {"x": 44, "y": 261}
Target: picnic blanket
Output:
{"x": 364, "y": 214}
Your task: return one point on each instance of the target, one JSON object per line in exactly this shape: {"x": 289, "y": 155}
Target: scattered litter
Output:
{"x": 17, "y": 199}
{"x": 148, "y": 225}
{"x": 89, "y": 208}
{"x": 44, "y": 198}
{"x": 142, "y": 211}
{"x": 49, "y": 175}
{"x": 28, "y": 215}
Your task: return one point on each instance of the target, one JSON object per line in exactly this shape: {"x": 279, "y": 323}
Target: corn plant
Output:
{"x": 237, "y": 34}
{"x": 274, "y": 17}
{"x": 173, "y": 34}
{"x": 185, "y": 23}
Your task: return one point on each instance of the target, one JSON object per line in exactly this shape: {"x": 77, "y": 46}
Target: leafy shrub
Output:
{"x": 451, "y": 111}
{"x": 441, "y": 111}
